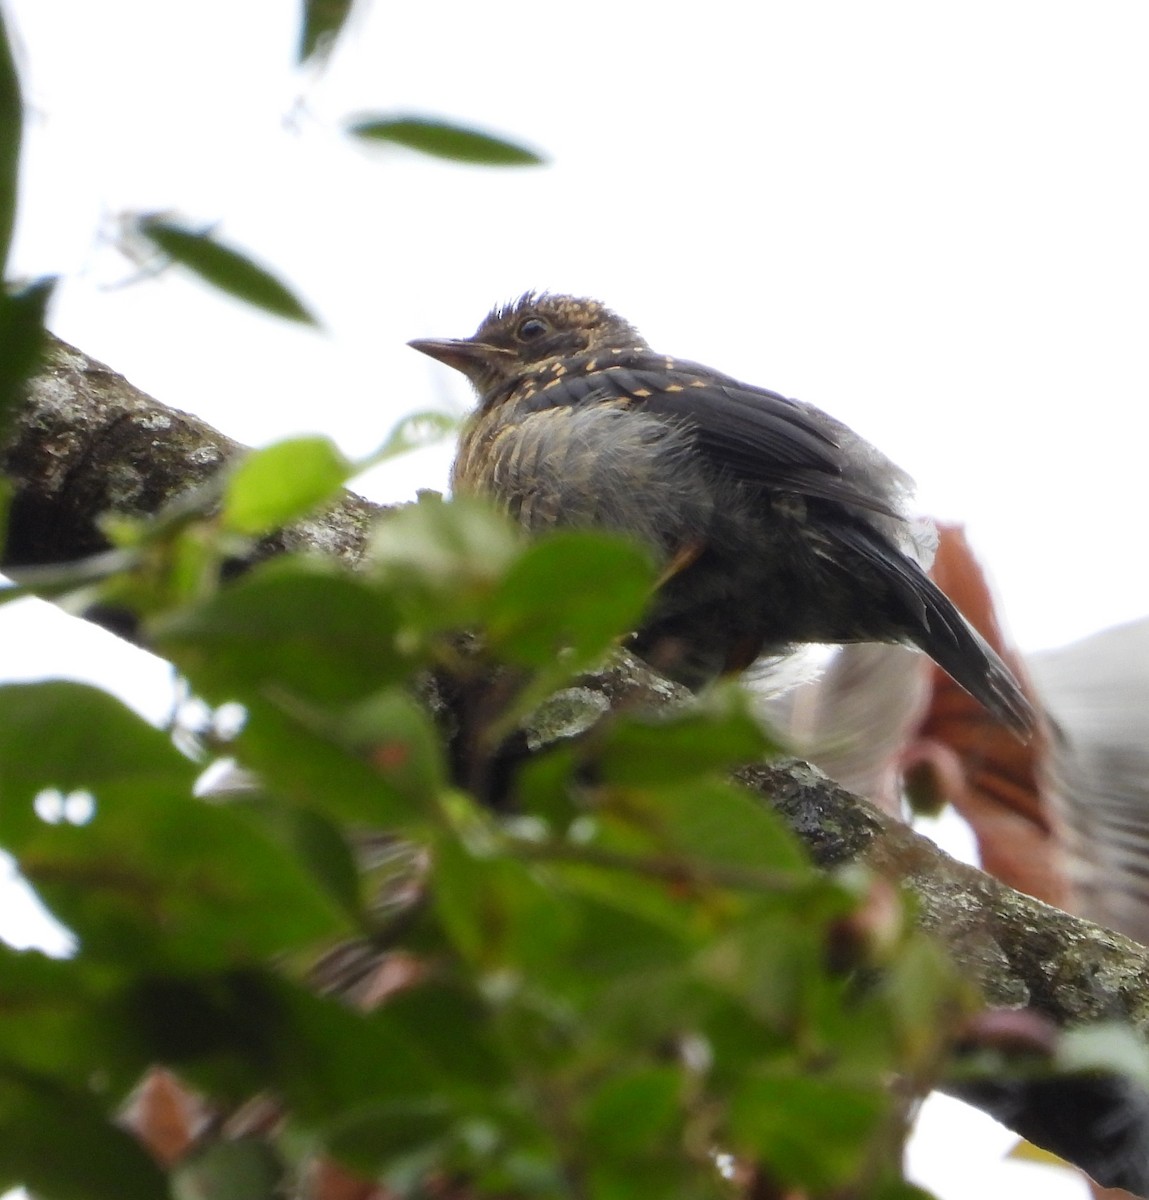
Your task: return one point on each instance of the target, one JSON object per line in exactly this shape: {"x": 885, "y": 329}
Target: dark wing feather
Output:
{"x": 934, "y": 625}
{"x": 757, "y": 436}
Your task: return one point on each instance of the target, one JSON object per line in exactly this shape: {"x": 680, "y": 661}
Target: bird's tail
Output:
{"x": 933, "y": 623}
{"x": 968, "y": 659}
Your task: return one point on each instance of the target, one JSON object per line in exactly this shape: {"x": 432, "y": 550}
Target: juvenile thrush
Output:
{"x": 774, "y": 523}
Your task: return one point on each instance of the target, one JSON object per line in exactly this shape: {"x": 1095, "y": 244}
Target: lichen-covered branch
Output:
{"x": 1020, "y": 951}
{"x": 88, "y": 442}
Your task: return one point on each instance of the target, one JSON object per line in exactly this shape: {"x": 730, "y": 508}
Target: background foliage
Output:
{"x": 611, "y": 974}
{"x": 632, "y": 970}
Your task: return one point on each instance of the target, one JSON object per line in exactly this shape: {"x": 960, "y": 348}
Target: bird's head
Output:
{"x": 528, "y": 336}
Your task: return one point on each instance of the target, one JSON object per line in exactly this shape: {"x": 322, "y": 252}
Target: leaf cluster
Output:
{"x": 626, "y": 982}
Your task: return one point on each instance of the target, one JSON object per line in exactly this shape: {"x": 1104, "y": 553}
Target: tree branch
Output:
{"x": 1020, "y": 951}
{"x": 88, "y": 442}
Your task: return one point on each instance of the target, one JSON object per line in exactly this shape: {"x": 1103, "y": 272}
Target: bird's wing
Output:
{"x": 1096, "y": 690}
{"x": 754, "y": 435}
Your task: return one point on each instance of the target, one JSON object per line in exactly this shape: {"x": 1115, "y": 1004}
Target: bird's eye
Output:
{"x": 531, "y": 329}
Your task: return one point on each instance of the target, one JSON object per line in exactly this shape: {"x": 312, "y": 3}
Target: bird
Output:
{"x": 773, "y": 524}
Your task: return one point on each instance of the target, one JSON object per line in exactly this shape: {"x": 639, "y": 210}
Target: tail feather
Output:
{"x": 953, "y": 643}
{"x": 934, "y": 625}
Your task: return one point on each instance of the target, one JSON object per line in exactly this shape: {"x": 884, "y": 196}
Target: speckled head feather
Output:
{"x": 539, "y": 326}
{"x": 571, "y": 315}
{"x": 531, "y": 333}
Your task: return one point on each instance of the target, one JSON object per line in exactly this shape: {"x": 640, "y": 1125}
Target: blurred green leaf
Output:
{"x": 225, "y": 268}
{"x": 711, "y": 821}
{"x": 52, "y": 1024}
{"x": 630, "y": 1115}
{"x": 70, "y": 737}
{"x": 813, "y": 1133}
{"x": 158, "y": 879}
{"x": 705, "y": 738}
{"x": 769, "y": 964}
{"x": 497, "y": 912}
{"x": 621, "y": 937}
{"x": 316, "y": 841}
{"x": 899, "y": 1189}
{"x": 419, "y": 1066}
{"x": 399, "y": 739}
{"x": 294, "y": 626}
{"x": 443, "y": 139}
{"x": 243, "y": 1031}
{"x": 442, "y": 561}
{"x": 413, "y": 432}
{"x": 245, "y": 1169}
{"x": 572, "y": 591}
{"x": 21, "y": 339}
{"x": 271, "y": 487}
{"x": 1108, "y": 1046}
{"x": 381, "y": 1134}
{"x": 11, "y": 132}
{"x": 303, "y": 757}
{"x": 62, "y": 1147}
{"x": 545, "y": 786}
{"x": 923, "y": 995}
{"x": 323, "y": 22}
{"x": 452, "y": 1028}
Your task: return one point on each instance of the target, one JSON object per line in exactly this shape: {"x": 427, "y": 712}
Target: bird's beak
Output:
{"x": 463, "y": 354}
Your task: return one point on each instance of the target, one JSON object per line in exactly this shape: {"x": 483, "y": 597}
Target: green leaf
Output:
{"x": 812, "y": 1132}
{"x": 497, "y": 912}
{"x": 246, "y": 1030}
{"x": 11, "y": 132}
{"x": 572, "y": 591}
{"x": 630, "y": 1115}
{"x": 544, "y": 786}
{"x": 245, "y": 1169}
{"x": 899, "y": 1189}
{"x": 52, "y": 1023}
{"x": 451, "y": 1027}
{"x": 771, "y": 966}
{"x": 293, "y": 627}
{"x": 624, "y": 937}
{"x": 62, "y": 1147}
{"x": 273, "y": 486}
{"x": 72, "y": 737}
{"x": 323, "y": 21}
{"x": 223, "y": 267}
{"x": 923, "y": 993}
{"x": 21, "y": 340}
{"x": 163, "y": 880}
{"x": 413, "y": 432}
{"x": 1107, "y": 1046}
{"x": 221, "y": 1031}
{"x": 710, "y": 821}
{"x": 399, "y": 739}
{"x": 444, "y": 139}
{"x": 316, "y": 841}
{"x": 303, "y": 757}
{"x": 712, "y": 735}
{"x": 383, "y": 1133}
{"x": 441, "y": 561}
{"x": 379, "y": 762}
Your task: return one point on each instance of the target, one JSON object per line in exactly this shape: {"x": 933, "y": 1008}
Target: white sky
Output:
{"x": 928, "y": 219}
